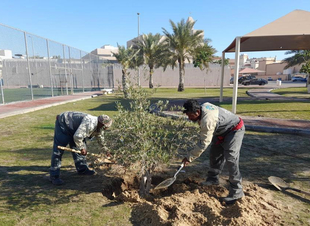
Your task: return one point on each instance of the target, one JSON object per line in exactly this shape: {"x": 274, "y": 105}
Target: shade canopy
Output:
{"x": 249, "y": 71}
{"x": 290, "y": 32}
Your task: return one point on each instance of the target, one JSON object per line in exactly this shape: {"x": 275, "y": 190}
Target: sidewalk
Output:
{"x": 265, "y": 93}
{"x": 17, "y": 108}
{"x": 262, "y": 124}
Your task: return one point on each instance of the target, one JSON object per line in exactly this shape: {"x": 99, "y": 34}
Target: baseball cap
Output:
{"x": 105, "y": 120}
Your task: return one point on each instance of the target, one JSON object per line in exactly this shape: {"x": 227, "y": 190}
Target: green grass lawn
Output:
{"x": 299, "y": 92}
{"x": 283, "y": 109}
{"x": 198, "y": 92}
{"x": 28, "y": 198}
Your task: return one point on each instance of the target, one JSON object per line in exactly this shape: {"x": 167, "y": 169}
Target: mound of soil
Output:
{"x": 186, "y": 202}
{"x": 201, "y": 207}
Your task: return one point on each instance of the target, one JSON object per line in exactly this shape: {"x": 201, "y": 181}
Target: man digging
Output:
{"x": 73, "y": 128}
{"x": 224, "y": 131}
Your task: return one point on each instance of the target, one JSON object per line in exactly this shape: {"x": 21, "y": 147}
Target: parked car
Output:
{"x": 232, "y": 80}
{"x": 255, "y": 81}
{"x": 299, "y": 79}
{"x": 270, "y": 79}
{"x": 242, "y": 78}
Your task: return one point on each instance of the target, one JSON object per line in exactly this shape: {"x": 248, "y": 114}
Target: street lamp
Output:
{"x": 138, "y": 40}
{"x": 138, "y": 24}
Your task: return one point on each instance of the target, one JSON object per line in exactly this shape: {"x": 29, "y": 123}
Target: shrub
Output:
{"x": 140, "y": 137}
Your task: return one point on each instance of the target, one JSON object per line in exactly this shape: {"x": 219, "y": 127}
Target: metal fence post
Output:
{"x": 49, "y": 65}
{"x": 2, "y": 95}
{"x": 82, "y": 65}
{"x": 29, "y": 72}
{"x": 92, "y": 83}
{"x": 66, "y": 77}
{"x": 99, "y": 83}
{"x": 70, "y": 69}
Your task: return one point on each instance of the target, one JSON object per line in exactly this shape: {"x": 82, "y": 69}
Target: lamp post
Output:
{"x": 138, "y": 40}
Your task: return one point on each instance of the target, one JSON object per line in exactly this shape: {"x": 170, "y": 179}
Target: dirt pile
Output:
{"x": 200, "y": 207}
{"x": 188, "y": 203}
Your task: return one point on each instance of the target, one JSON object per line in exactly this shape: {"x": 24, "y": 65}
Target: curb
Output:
{"x": 300, "y": 132}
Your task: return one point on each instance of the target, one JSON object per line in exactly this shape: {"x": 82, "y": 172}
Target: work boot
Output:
{"x": 231, "y": 199}
{"x": 211, "y": 181}
{"x": 56, "y": 180}
{"x": 87, "y": 172}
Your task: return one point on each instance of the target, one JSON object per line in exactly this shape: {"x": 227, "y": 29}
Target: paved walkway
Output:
{"x": 22, "y": 107}
{"x": 299, "y": 127}
{"x": 265, "y": 93}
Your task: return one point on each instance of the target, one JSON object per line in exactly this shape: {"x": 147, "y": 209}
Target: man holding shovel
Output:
{"x": 224, "y": 132}
{"x": 73, "y": 128}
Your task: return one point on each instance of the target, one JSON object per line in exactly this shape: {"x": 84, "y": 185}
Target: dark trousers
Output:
{"x": 62, "y": 138}
{"x": 227, "y": 152}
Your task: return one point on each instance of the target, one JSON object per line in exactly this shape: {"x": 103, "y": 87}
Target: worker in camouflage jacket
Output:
{"x": 73, "y": 128}
{"x": 223, "y": 131}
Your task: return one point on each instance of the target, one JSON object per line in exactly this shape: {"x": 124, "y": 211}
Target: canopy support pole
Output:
{"x": 236, "y": 75}
{"x": 222, "y": 76}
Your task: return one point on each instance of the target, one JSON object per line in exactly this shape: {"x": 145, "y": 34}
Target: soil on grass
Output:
{"x": 186, "y": 202}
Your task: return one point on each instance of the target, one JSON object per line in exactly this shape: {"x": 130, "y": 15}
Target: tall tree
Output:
{"x": 152, "y": 49}
{"x": 299, "y": 57}
{"x": 126, "y": 58}
{"x": 203, "y": 55}
{"x": 181, "y": 43}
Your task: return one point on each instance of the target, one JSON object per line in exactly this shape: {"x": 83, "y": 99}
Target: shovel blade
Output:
{"x": 166, "y": 183}
{"x": 278, "y": 182}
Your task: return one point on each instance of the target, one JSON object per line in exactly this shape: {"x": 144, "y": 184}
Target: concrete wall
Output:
{"x": 194, "y": 77}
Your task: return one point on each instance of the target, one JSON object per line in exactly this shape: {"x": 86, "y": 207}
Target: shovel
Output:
{"x": 166, "y": 183}
{"x": 107, "y": 161}
{"x": 281, "y": 184}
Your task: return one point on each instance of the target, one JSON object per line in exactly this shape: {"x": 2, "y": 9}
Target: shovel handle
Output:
{"x": 181, "y": 167}
{"x": 298, "y": 190}
{"x": 306, "y": 193}
{"x": 105, "y": 161}
{"x": 68, "y": 149}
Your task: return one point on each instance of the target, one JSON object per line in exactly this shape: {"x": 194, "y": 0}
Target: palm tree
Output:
{"x": 126, "y": 57}
{"x": 300, "y": 57}
{"x": 181, "y": 43}
{"x": 152, "y": 50}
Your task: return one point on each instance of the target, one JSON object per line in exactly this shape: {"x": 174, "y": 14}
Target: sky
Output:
{"x": 87, "y": 25}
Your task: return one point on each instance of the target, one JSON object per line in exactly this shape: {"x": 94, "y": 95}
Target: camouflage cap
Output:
{"x": 105, "y": 120}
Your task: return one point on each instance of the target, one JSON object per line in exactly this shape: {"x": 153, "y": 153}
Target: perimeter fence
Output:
{"x": 32, "y": 67}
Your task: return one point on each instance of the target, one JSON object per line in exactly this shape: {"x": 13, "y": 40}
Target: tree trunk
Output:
{"x": 151, "y": 79}
{"x": 124, "y": 83}
{"x": 145, "y": 185}
{"x": 308, "y": 83}
{"x": 181, "y": 78}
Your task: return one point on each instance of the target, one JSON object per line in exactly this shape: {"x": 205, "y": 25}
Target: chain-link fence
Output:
{"x": 32, "y": 67}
